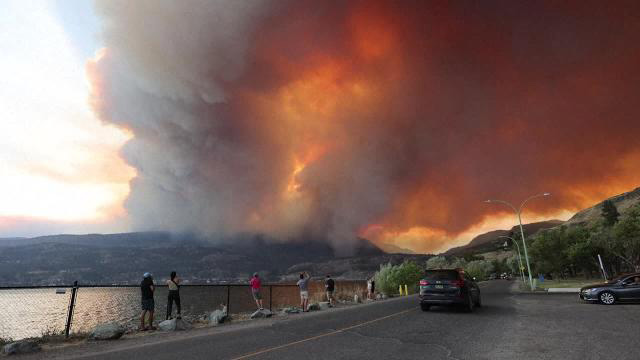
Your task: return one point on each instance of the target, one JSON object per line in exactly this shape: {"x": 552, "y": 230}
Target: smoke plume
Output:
{"x": 325, "y": 120}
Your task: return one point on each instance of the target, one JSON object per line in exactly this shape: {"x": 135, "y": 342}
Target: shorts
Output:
{"x": 256, "y": 295}
{"x": 329, "y": 294}
{"x": 148, "y": 304}
{"x": 304, "y": 295}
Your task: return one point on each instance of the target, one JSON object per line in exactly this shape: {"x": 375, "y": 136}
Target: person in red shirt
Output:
{"x": 255, "y": 290}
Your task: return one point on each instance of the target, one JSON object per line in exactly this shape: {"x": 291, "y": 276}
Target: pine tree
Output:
{"x": 609, "y": 213}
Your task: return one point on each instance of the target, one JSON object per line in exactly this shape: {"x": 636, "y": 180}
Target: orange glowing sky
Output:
{"x": 391, "y": 121}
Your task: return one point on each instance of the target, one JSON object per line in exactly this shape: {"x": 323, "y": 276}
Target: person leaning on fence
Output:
{"x": 329, "y": 286}
{"x": 303, "y": 284}
{"x": 255, "y": 290}
{"x": 174, "y": 295}
{"x": 147, "y": 288}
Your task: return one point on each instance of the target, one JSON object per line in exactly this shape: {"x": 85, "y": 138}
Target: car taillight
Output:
{"x": 424, "y": 282}
{"x": 458, "y": 283}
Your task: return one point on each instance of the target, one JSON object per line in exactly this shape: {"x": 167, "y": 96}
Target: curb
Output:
{"x": 554, "y": 291}
{"x": 564, "y": 290}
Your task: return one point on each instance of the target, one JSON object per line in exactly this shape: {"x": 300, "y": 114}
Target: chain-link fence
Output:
{"x": 38, "y": 311}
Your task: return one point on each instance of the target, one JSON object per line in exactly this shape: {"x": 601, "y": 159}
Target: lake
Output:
{"x": 34, "y": 312}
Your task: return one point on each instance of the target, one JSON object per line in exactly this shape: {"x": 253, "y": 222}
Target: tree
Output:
{"x": 457, "y": 263}
{"x": 390, "y": 277}
{"x": 480, "y": 269}
{"x": 627, "y": 237}
{"x": 513, "y": 263}
{"x": 610, "y": 213}
{"x": 438, "y": 262}
{"x": 471, "y": 257}
{"x": 500, "y": 266}
{"x": 582, "y": 255}
{"x": 549, "y": 251}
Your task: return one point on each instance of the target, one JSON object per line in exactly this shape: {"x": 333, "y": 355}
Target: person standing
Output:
{"x": 174, "y": 295}
{"x": 255, "y": 290}
{"x": 303, "y": 284}
{"x": 371, "y": 286}
{"x": 329, "y": 286}
{"x": 147, "y": 288}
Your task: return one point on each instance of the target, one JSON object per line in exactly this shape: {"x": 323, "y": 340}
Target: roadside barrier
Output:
{"x": 35, "y": 311}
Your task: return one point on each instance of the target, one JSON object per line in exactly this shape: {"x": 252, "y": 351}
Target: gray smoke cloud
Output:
{"x": 320, "y": 119}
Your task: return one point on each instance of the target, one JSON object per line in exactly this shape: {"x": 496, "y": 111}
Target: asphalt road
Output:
{"x": 508, "y": 326}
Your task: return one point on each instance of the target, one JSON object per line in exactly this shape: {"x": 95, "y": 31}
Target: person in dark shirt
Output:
{"x": 329, "y": 286}
{"x": 174, "y": 294}
{"x": 147, "y": 288}
{"x": 371, "y": 287}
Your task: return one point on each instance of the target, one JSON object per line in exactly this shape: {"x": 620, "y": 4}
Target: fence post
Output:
{"x": 270, "y": 297}
{"x": 72, "y": 303}
{"x": 228, "y": 298}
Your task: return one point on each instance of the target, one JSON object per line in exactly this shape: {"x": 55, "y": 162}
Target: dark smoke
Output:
{"x": 319, "y": 119}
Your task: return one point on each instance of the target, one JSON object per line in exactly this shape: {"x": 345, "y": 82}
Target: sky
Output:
{"x": 59, "y": 163}
{"x": 392, "y": 121}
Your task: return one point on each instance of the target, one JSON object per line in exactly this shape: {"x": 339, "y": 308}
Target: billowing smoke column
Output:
{"x": 329, "y": 120}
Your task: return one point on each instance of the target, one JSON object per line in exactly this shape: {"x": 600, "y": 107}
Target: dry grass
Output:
{"x": 496, "y": 255}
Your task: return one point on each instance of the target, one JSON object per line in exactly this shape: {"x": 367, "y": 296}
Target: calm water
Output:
{"x": 32, "y": 312}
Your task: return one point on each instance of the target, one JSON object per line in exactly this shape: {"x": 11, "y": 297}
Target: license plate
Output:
{"x": 439, "y": 286}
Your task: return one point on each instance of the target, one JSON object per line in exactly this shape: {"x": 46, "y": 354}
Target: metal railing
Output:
{"x": 34, "y": 311}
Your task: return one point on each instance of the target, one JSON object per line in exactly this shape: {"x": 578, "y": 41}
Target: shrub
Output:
{"x": 438, "y": 262}
{"x": 390, "y": 277}
{"x": 5, "y": 341}
{"x": 480, "y": 269}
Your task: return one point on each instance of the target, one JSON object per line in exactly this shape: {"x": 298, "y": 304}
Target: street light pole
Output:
{"x": 518, "y": 211}
{"x": 519, "y": 256}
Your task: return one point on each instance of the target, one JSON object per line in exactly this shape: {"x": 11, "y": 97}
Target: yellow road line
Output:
{"x": 319, "y": 336}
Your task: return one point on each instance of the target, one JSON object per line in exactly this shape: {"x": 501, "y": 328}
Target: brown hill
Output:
{"x": 589, "y": 216}
{"x": 491, "y": 241}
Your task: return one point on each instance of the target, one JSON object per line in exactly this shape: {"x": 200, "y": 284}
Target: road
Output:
{"x": 508, "y": 326}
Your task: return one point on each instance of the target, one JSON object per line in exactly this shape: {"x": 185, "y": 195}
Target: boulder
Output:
{"x": 261, "y": 314}
{"x": 167, "y": 325}
{"x": 110, "y": 331}
{"x": 324, "y": 305}
{"x": 217, "y": 317}
{"x": 21, "y": 347}
{"x": 182, "y": 324}
{"x": 291, "y": 310}
{"x": 313, "y": 307}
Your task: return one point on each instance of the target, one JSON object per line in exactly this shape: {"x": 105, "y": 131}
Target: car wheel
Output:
{"x": 425, "y": 307}
{"x": 607, "y": 298}
{"x": 468, "y": 307}
{"x": 479, "y": 302}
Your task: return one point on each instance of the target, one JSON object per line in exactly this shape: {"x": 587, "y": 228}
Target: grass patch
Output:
{"x": 567, "y": 283}
{"x": 50, "y": 336}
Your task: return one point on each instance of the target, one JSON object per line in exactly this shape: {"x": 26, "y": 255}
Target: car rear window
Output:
{"x": 441, "y": 275}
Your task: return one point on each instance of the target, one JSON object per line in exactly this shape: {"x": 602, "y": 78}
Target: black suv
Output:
{"x": 625, "y": 288}
{"x": 449, "y": 287}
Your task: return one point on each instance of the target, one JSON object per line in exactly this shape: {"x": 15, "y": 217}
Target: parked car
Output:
{"x": 625, "y": 288}
{"x": 446, "y": 287}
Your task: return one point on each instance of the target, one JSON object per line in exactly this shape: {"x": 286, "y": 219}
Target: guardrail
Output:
{"x": 34, "y": 311}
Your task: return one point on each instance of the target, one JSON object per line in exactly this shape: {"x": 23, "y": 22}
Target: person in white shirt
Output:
{"x": 174, "y": 294}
